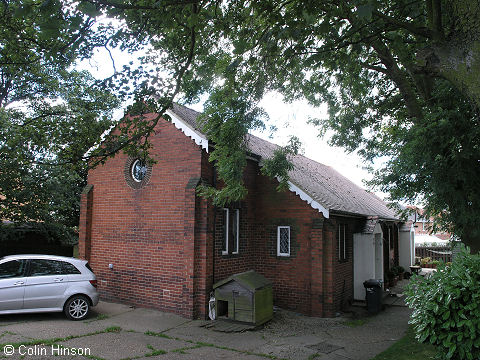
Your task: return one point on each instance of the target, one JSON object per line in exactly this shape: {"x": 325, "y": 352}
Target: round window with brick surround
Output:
{"x": 137, "y": 173}
{"x": 139, "y": 170}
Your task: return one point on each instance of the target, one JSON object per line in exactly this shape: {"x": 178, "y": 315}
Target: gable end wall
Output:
{"x": 147, "y": 234}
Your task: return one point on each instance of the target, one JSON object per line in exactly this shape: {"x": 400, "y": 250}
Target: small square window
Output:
{"x": 283, "y": 241}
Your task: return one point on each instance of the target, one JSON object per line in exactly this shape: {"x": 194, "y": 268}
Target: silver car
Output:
{"x": 47, "y": 283}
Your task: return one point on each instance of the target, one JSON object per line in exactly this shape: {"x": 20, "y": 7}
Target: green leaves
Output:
{"x": 365, "y": 11}
{"x": 88, "y": 8}
{"x": 50, "y": 114}
{"x": 228, "y": 115}
{"x": 457, "y": 329}
{"x": 280, "y": 164}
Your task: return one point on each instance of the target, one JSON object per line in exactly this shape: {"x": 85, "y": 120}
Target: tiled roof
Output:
{"x": 322, "y": 183}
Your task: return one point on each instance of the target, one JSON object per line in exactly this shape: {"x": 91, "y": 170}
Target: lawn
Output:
{"x": 407, "y": 348}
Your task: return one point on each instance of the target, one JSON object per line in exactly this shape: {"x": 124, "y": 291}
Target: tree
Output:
{"x": 400, "y": 78}
{"x": 50, "y": 114}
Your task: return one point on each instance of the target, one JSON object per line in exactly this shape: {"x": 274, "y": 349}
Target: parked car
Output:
{"x": 47, "y": 283}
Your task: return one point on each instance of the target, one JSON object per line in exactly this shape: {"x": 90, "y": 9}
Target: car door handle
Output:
{"x": 19, "y": 283}
{"x": 58, "y": 279}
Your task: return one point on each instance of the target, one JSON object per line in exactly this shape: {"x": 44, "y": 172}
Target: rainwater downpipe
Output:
{"x": 214, "y": 184}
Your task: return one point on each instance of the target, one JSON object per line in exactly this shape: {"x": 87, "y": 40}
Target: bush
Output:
{"x": 425, "y": 261}
{"x": 446, "y": 308}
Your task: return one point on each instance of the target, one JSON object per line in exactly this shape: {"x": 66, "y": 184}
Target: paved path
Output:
{"x": 117, "y": 332}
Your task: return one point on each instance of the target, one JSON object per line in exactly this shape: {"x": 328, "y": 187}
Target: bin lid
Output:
{"x": 373, "y": 283}
{"x": 249, "y": 279}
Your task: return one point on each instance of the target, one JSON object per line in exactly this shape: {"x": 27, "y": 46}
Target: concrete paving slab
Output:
{"x": 110, "y": 309}
{"x": 285, "y": 351}
{"x": 260, "y": 342}
{"x": 246, "y": 341}
{"x": 121, "y": 345}
{"x": 142, "y": 320}
{"x": 289, "y": 335}
{"x": 40, "y": 357}
{"x": 364, "y": 351}
{"x": 11, "y": 338}
{"x": 55, "y": 327}
{"x": 206, "y": 352}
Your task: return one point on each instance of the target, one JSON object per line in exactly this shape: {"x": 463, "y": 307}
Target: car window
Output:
{"x": 87, "y": 265}
{"x": 70, "y": 269}
{"x": 12, "y": 269}
{"x": 42, "y": 267}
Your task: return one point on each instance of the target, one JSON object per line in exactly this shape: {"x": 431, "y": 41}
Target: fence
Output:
{"x": 443, "y": 253}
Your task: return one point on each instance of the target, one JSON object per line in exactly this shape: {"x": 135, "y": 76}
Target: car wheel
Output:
{"x": 77, "y": 307}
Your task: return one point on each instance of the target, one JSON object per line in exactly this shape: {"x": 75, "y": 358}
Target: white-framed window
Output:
{"x": 231, "y": 231}
{"x": 390, "y": 238}
{"x": 225, "y": 227}
{"x": 342, "y": 242}
{"x": 235, "y": 230}
{"x": 283, "y": 241}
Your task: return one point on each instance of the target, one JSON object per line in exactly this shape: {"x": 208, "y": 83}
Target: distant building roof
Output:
{"x": 428, "y": 239}
{"x": 321, "y": 183}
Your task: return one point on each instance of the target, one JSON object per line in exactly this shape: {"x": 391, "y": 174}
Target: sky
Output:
{"x": 289, "y": 118}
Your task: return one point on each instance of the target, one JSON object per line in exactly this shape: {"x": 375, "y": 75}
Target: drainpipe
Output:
{"x": 214, "y": 184}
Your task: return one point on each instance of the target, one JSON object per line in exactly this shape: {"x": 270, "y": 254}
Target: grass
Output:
{"x": 200, "y": 344}
{"x": 408, "y": 348}
{"x": 162, "y": 335}
{"x": 99, "y": 317}
{"x": 356, "y": 322}
{"x": 154, "y": 352}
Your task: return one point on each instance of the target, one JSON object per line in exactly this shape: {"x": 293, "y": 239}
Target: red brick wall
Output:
{"x": 343, "y": 273}
{"x": 297, "y": 279}
{"x": 203, "y": 264}
{"x": 148, "y": 233}
{"x": 311, "y": 280}
{"x": 226, "y": 265}
{"x": 165, "y": 242}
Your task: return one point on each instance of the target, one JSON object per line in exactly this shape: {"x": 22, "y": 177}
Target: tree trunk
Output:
{"x": 459, "y": 62}
{"x": 457, "y": 58}
{"x": 472, "y": 243}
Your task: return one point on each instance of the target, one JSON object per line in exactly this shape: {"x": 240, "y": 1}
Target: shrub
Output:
{"x": 394, "y": 271}
{"x": 446, "y": 308}
{"x": 425, "y": 261}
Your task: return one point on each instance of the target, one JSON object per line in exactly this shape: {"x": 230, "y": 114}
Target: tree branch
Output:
{"x": 399, "y": 78}
{"x": 435, "y": 19}
{"x": 416, "y": 30}
{"x": 140, "y": 7}
{"x": 375, "y": 68}
{"x": 153, "y": 123}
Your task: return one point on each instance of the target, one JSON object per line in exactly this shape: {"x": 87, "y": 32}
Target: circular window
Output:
{"x": 137, "y": 172}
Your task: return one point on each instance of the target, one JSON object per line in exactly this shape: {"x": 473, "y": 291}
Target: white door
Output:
{"x": 378, "y": 257}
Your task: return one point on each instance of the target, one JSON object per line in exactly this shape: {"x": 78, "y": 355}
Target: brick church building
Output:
{"x": 153, "y": 242}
